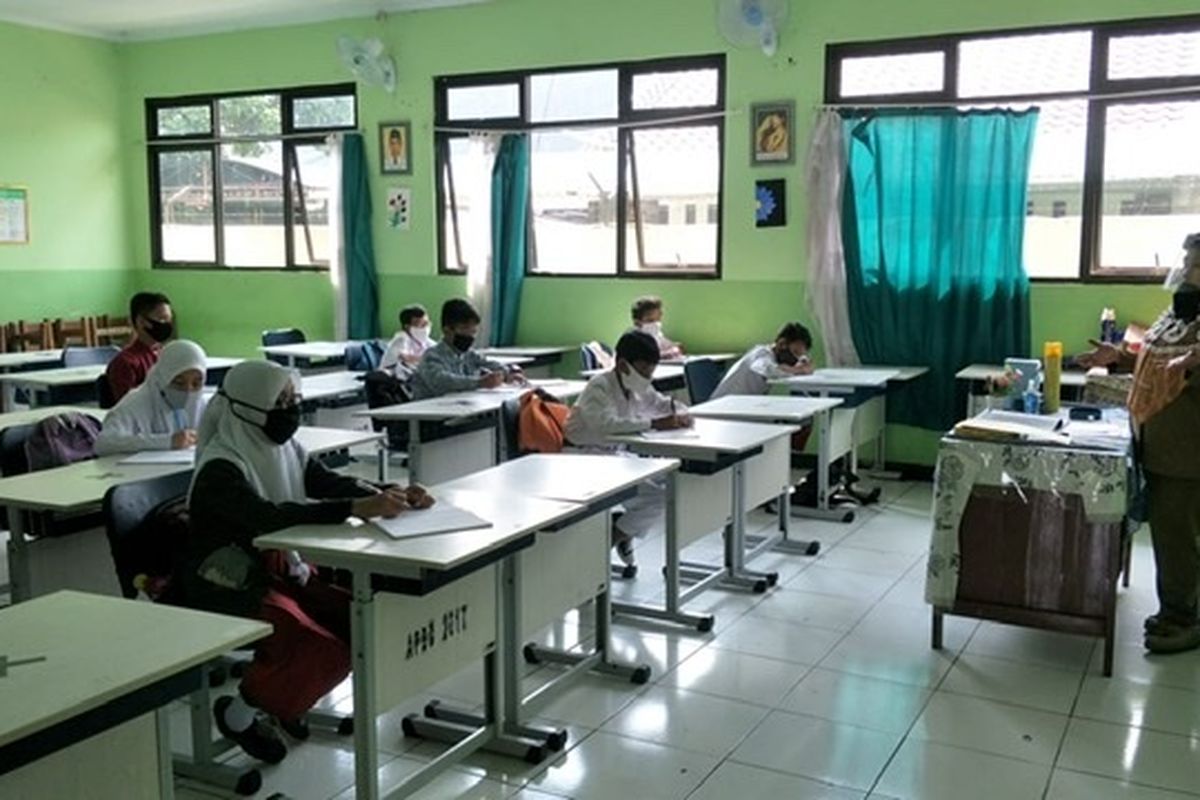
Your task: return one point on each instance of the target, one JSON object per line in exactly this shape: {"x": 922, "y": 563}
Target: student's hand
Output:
{"x": 1184, "y": 363}
{"x": 516, "y": 375}
{"x": 412, "y": 361}
{"x": 799, "y": 368}
{"x": 418, "y": 497}
{"x": 183, "y": 439}
{"x": 671, "y": 423}
{"x": 388, "y": 503}
{"x": 490, "y": 380}
{"x": 1105, "y": 355}
{"x": 684, "y": 420}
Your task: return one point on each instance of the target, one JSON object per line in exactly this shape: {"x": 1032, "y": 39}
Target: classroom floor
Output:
{"x": 827, "y": 688}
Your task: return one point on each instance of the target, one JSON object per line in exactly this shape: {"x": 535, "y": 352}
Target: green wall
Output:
{"x": 60, "y": 139}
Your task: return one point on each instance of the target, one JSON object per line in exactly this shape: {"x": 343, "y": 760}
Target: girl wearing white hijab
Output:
{"x": 253, "y": 478}
{"x": 164, "y": 412}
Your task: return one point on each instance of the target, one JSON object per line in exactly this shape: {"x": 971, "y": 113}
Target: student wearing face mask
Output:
{"x": 409, "y": 344}
{"x": 1164, "y": 406}
{"x": 452, "y": 365}
{"x": 153, "y": 324}
{"x": 253, "y": 478}
{"x": 647, "y": 313}
{"x": 786, "y": 357}
{"x": 623, "y": 400}
{"x": 164, "y": 412}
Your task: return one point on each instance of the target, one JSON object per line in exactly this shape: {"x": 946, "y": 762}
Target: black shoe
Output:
{"x": 260, "y": 740}
{"x": 1172, "y": 638}
{"x": 295, "y": 728}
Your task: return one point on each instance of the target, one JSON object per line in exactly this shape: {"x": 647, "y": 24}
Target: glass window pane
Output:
{"x": 672, "y": 173}
{"x": 1163, "y": 55}
{"x": 574, "y": 189}
{"x": 467, "y": 209}
{"x": 1013, "y": 65}
{"x": 251, "y": 115}
{"x": 184, "y": 121}
{"x": 483, "y": 102}
{"x": 680, "y": 89}
{"x": 252, "y": 198}
{"x": 185, "y": 186}
{"x": 310, "y": 204}
{"x": 1054, "y": 209}
{"x": 1151, "y": 183}
{"x": 559, "y": 96}
{"x": 909, "y": 73}
{"x": 323, "y": 112}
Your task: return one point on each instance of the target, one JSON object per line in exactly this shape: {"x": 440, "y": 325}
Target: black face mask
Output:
{"x": 462, "y": 342}
{"x": 159, "y": 331}
{"x": 1186, "y": 304}
{"x": 281, "y": 423}
{"x": 785, "y": 357}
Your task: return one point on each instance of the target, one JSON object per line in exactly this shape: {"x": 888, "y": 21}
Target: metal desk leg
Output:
{"x": 879, "y": 468}
{"x": 20, "y": 579}
{"x": 166, "y": 776}
{"x": 362, "y": 634}
{"x": 735, "y": 542}
{"x": 823, "y": 511}
{"x": 384, "y": 459}
{"x": 414, "y": 451}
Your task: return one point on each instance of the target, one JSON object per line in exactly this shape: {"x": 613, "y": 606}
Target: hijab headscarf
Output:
{"x": 146, "y": 417}
{"x": 232, "y": 431}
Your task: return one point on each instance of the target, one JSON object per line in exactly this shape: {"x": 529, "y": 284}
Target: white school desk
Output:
{"x": 457, "y": 434}
{"x": 565, "y": 568}
{"x": 667, "y": 377}
{"x": 29, "y": 416}
{"x": 536, "y": 362}
{"x": 720, "y": 358}
{"x": 787, "y": 410}
{"x": 313, "y": 351}
{"x": 977, "y": 375}
{"x": 324, "y": 387}
{"x": 425, "y": 608}
{"x": 709, "y": 493}
{"x": 83, "y": 696}
{"x": 11, "y": 361}
{"x": 48, "y": 381}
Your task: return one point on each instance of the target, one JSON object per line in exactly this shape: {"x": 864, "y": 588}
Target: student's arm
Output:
{"x": 392, "y": 354}
{"x": 121, "y": 433}
{"x": 440, "y": 377}
{"x": 594, "y": 417}
{"x": 122, "y": 377}
{"x": 766, "y": 366}
{"x": 484, "y": 364}
{"x": 320, "y": 482}
{"x": 230, "y": 504}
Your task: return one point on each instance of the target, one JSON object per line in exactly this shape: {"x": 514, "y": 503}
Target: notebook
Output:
{"x": 185, "y": 456}
{"x": 440, "y": 518}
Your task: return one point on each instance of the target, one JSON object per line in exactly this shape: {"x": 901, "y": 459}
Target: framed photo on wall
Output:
{"x": 14, "y": 215}
{"x": 395, "y": 148}
{"x": 772, "y": 138}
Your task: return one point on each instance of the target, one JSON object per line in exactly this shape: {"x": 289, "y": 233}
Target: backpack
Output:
{"x": 60, "y": 440}
{"x": 541, "y": 423}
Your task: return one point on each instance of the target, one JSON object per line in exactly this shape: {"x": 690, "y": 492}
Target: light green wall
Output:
{"x": 60, "y": 102}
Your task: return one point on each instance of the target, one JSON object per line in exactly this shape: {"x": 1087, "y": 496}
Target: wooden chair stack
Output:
{"x": 94, "y": 331}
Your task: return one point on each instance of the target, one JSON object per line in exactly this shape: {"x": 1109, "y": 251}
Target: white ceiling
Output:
{"x": 163, "y": 19}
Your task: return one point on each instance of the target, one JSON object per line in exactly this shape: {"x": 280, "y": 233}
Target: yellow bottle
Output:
{"x": 1052, "y": 357}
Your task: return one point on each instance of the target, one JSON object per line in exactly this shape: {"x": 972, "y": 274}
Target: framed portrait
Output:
{"x": 772, "y": 139}
{"x": 395, "y": 148}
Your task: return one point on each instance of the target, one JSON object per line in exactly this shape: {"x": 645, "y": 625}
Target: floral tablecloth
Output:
{"x": 1100, "y": 477}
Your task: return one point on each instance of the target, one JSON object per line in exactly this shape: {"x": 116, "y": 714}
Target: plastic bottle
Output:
{"x": 1052, "y": 358}
{"x": 1031, "y": 398}
{"x": 1108, "y": 326}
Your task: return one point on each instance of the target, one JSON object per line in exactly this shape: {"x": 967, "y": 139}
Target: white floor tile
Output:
{"x": 591, "y": 702}
{"x": 736, "y": 676}
{"x": 823, "y": 579}
{"x": 929, "y": 771}
{"x": 855, "y": 700}
{"x": 1131, "y": 662}
{"x": 1031, "y": 646}
{"x": 818, "y": 749}
{"x": 1013, "y": 682}
{"x": 660, "y": 650}
{"x": 915, "y": 623}
{"x": 1136, "y": 755}
{"x": 608, "y": 767}
{"x": 312, "y": 769}
{"x": 1067, "y": 785}
{"x": 772, "y": 638}
{"x": 913, "y": 662}
{"x": 816, "y": 610}
{"x": 1143, "y": 705}
{"x": 875, "y": 562}
{"x": 996, "y": 728}
{"x": 688, "y": 720}
{"x": 452, "y": 783}
{"x": 502, "y": 768}
{"x": 732, "y": 780}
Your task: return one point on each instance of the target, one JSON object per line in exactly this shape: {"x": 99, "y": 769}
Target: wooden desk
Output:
{"x": 69, "y": 728}
{"x": 426, "y": 608}
{"x": 709, "y": 493}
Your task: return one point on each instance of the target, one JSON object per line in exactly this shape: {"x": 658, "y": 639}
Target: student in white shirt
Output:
{"x": 164, "y": 412}
{"x": 409, "y": 344}
{"x": 788, "y": 356}
{"x": 623, "y": 400}
{"x": 647, "y": 313}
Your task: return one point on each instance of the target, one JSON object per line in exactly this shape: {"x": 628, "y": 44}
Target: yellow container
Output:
{"x": 1052, "y": 358}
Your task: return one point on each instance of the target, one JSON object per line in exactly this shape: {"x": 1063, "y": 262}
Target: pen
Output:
{"x": 672, "y": 408}
{"x": 179, "y": 426}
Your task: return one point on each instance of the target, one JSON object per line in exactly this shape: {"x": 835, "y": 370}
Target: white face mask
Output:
{"x": 652, "y": 328}
{"x": 421, "y": 334}
{"x": 176, "y": 398}
{"x": 634, "y": 381}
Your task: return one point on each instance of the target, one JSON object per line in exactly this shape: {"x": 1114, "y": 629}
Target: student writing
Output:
{"x": 452, "y": 365}
{"x": 164, "y": 412}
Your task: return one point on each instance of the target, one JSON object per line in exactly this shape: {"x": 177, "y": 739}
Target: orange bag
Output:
{"x": 541, "y": 424}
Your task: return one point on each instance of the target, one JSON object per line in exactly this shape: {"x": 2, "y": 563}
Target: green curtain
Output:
{"x": 933, "y": 226}
{"x": 362, "y": 283}
{"x": 510, "y": 229}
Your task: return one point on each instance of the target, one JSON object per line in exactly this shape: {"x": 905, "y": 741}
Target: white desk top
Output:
{"x": 663, "y": 372}
{"x": 323, "y": 385}
{"x": 318, "y": 350}
{"x": 845, "y": 379}
{"x": 461, "y": 405}
{"x": 13, "y": 360}
{"x": 981, "y": 372}
{"x": 78, "y": 485}
{"x": 764, "y": 408}
{"x": 511, "y": 361}
{"x": 903, "y": 374}
{"x": 30, "y": 415}
{"x": 574, "y": 478}
{"x": 720, "y": 358}
{"x": 316, "y": 441}
{"x": 524, "y": 352}
{"x": 98, "y": 649}
{"x": 708, "y": 439}
{"x": 76, "y": 376}
{"x": 355, "y": 544}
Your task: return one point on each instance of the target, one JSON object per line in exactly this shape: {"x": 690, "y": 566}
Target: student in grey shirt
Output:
{"x": 451, "y": 365}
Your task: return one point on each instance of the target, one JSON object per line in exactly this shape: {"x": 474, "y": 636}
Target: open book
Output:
{"x": 1009, "y": 426}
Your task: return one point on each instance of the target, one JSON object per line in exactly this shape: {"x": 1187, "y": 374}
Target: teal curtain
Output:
{"x": 933, "y": 226}
{"x": 362, "y": 283}
{"x": 510, "y": 230}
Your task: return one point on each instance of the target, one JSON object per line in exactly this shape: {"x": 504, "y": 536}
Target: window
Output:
{"x": 1114, "y": 183}
{"x": 625, "y": 166}
{"x": 244, "y": 180}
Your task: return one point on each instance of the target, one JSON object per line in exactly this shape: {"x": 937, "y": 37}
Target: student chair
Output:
{"x": 104, "y": 394}
{"x": 87, "y": 356}
{"x": 589, "y": 355}
{"x": 702, "y": 376}
{"x": 363, "y": 356}
{"x": 74, "y": 332}
{"x": 283, "y": 336}
{"x": 24, "y": 336}
{"x": 111, "y": 330}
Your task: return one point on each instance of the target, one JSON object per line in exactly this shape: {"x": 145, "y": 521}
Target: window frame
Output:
{"x": 1100, "y": 86}
{"x": 289, "y": 137}
{"x": 655, "y": 119}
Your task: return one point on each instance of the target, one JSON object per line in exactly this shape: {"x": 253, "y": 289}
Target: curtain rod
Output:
{"x": 266, "y": 137}
{"x": 567, "y": 126}
{"x": 968, "y": 101}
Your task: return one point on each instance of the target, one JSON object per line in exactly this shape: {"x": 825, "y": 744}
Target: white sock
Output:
{"x": 239, "y": 715}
